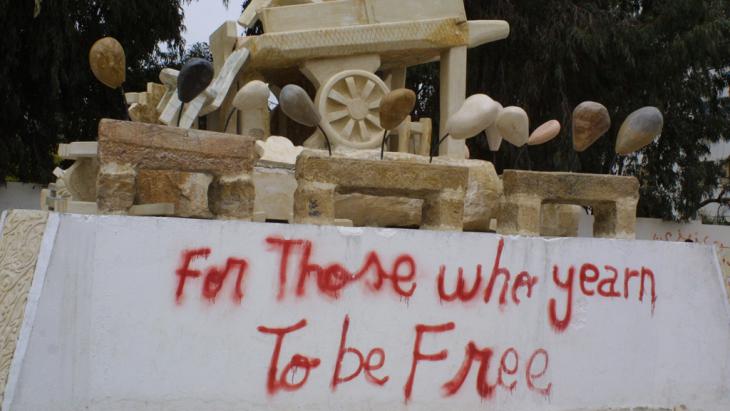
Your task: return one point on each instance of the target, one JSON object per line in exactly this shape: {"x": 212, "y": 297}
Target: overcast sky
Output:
{"x": 204, "y": 16}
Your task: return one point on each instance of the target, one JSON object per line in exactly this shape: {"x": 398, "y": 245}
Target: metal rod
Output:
{"x": 228, "y": 120}
{"x": 382, "y": 145}
{"x": 438, "y": 145}
{"x": 329, "y": 146}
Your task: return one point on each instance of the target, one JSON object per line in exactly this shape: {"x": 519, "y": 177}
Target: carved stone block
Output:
{"x": 127, "y": 148}
{"x": 613, "y": 199}
{"x": 19, "y": 247}
{"x": 442, "y": 188}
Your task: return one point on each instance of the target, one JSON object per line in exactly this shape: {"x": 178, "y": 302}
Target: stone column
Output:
{"x": 453, "y": 94}
{"x": 520, "y": 215}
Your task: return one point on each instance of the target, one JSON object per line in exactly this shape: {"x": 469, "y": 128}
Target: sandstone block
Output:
{"x": 187, "y": 191}
{"x": 115, "y": 188}
{"x": 126, "y": 148}
{"x": 232, "y": 197}
{"x": 613, "y": 199}
{"x": 484, "y": 190}
{"x": 442, "y": 188}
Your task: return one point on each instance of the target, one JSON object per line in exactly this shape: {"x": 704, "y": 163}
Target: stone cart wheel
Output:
{"x": 349, "y": 104}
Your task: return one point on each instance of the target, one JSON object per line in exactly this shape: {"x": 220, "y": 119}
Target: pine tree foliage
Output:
{"x": 626, "y": 54}
{"x": 49, "y": 94}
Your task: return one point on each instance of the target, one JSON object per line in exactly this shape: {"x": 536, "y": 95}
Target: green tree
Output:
{"x": 626, "y": 54}
{"x": 49, "y": 94}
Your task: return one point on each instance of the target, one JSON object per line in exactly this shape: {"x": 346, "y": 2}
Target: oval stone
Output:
{"x": 108, "y": 62}
{"x": 639, "y": 129}
{"x": 514, "y": 125}
{"x": 255, "y": 94}
{"x": 590, "y": 122}
{"x": 395, "y": 107}
{"x": 297, "y": 105}
{"x": 544, "y": 133}
{"x": 195, "y": 76}
{"x": 476, "y": 114}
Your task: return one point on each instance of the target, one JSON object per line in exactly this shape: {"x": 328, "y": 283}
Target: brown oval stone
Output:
{"x": 395, "y": 107}
{"x": 590, "y": 121}
{"x": 108, "y": 62}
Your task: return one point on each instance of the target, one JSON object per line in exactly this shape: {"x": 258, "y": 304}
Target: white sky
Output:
{"x": 203, "y": 17}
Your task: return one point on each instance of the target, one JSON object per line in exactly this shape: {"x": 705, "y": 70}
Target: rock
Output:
{"x": 544, "y": 133}
{"x": 639, "y": 130}
{"x": 108, "y": 62}
{"x": 320, "y": 177}
{"x": 187, "y": 191}
{"x": 297, "y": 105}
{"x": 115, "y": 188}
{"x": 278, "y": 150}
{"x": 395, "y": 107}
{"x": 254, "y": 95}
{"x": 476, "y": 114}
{"x": 483, "y": 193}
{"x": 514, "y": 125}
{"x": 195, "y": 76}
{"x": 613, "y": 199}
{"x": 590, "y": 121}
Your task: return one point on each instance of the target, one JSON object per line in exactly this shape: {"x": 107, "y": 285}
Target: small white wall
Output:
{"x": 20, "y": 196}
{"x": 112, "y": 332}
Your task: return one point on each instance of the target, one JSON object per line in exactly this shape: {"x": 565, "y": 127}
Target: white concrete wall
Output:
{"x": 112, "y": 333}
{"x": 20, "y": 196}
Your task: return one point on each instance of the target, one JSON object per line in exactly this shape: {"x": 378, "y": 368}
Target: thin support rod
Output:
{"x": 382, "y": 145}
{"x": 179, "y": 116}
{"x": 435, "y": 149}
{"x": 228, "y": 120}
{"x": 327, "y": 139}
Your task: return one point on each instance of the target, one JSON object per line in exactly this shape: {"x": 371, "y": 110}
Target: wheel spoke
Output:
{"x": 364, "y": 134}
{"x": 338, "y": 97}
{"x": 352, "y": 87}
{"x": 347, "y": 131}
{"x": 371, "y": 118}
{"x": 369, "y": 87}
{"x": 336, "y": 115}
{"x": 374, "y": 104}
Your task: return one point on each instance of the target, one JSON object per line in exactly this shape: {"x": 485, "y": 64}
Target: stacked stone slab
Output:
{"x": 612, "y": 198}
{"x": 214, "y": 170}
{"x": 320, "y": 177}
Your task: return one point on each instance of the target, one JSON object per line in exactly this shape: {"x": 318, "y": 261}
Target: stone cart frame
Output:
{"x": 125, "y": 148}
{"x": 613, "y": 199}
{"x": 319, "y": 178}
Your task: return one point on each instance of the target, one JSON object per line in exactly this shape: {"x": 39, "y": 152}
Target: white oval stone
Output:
{"x": 514, "y": 125}
{"x": 639, "y": 129}
{"x": 254, "y": 95}
{"x": 476, "y": 114}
